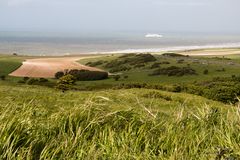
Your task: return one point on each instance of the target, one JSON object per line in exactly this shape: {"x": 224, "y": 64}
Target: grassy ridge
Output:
{"x": 8, "y": 64}
{"x": 124, "y": 124}
{"x": 230, "y": 63}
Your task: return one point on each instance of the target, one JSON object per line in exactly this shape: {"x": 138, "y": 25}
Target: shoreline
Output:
{"x": 191, "y": 52}
{"x": 124, "y": 51}
{"x": 177, "y": 48}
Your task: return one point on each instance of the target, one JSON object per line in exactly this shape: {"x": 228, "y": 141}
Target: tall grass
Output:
{"x": 94, "y": 131}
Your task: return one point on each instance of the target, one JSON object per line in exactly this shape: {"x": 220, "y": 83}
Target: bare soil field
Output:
{"x": 47, "y": 67}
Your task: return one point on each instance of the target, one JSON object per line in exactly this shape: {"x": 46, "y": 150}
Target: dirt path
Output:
{"x": 47, "y": 67}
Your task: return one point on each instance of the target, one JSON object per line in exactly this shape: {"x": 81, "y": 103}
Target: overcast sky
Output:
{"x": 120, "y": 15}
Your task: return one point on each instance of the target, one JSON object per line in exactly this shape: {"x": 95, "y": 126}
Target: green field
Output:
{"x": 99, "y": 120}
{"x": 9, "y": 63}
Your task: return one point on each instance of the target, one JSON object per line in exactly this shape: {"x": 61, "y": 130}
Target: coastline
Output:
{"x": 182, "y": 49}
{"x": 177, "y": 49}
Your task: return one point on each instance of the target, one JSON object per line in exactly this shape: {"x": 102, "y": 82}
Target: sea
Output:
{"x": 63, "y": 43}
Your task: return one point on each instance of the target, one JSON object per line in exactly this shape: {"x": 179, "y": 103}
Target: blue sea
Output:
{"x": 50, "y": 43}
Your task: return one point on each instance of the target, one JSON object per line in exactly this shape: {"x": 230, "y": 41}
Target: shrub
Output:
{"x": 221, "y": 70}
{"x": 180, "y": 61}
{"x": 67, "y": 79}
{"x": 176, "y": 88}
{"x": 174, "y": 71}
{"x": 59, "y": 74}
{"x": 139, "y": 65}
{"x": 164, "y": 62}
{"x": 155, "y": 65}
{"x": 65, "y": 83}
{"x": 224, "y": 94}
{"x": 130, "y": 59}
{"x": 173, "y": 55}
{"x": 21, "y": 81}
{"x": 125, "y": 77}
{"x": 25, "y": 79}
{"x": 3, "y": 77}
{"x": 116, "y": 77}
{"x": 205, "y": 71}
{"x": 32, "y": 81}
{"x": 85, "y": 75}
{"x": 224, "y": 89}
{"x": 119, "y": 69}
{"x": 94, "y": 64}
{"x": 43, "y": 80}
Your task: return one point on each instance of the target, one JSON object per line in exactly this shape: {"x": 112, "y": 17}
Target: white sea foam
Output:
{"x": 177, "y": 48}
{"x": 153, "y": 36}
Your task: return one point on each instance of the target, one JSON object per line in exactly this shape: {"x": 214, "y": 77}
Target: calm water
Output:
{"x": 33, "y": 43}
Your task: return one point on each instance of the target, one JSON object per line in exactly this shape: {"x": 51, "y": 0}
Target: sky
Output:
{"x": 120, "y": 15}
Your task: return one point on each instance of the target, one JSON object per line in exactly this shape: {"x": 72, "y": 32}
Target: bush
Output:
{"x": 155, "y": 65}
{"x": 43, "y": 80}
{"x": 174, "y": 71}
{"x": 3, "y": 77}
{"x": 59, "y": 74}
{"x": 139, "y": 65}
{"x": 119, "y": 69}
{"x": 32, "y": 81}
{"x": 116, "y": 77}
{"x": 85, "y": 75}
{"x": 224, "y": 89}
{"x": 21, "y": 81}
{"x": 164, "y": 62}
{"x": 224, "y": 94}
{"x": 177, "y": 88}
{"x": 25, "y": 79}
{"x": 180, "y": 61}
{"x": 94, "y": 64}
{"x": 125, "y": 77}
{"x": 65, "y": 83}
{"x": 173, "y": 55}
{"x": 221, "y": 70}
{"x": 131, "y": 59}
{"x": 205, "y": 71}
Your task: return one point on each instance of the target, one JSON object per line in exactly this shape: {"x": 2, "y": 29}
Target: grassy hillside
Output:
{"x": 217, "y": 66}
{"x": 114, "y": 124}
{"x": 44, "y": 123}
{"x": 9, "y": 63}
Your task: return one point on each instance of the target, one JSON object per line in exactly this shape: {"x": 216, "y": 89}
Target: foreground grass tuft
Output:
{"x": 94, "y": 130}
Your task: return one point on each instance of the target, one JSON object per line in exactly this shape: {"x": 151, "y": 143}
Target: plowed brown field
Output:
{"x": 47, "y": 67}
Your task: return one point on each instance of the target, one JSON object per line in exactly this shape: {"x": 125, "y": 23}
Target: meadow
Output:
{"x": 117, "y": 119}
{"x": 9, "y": 63}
